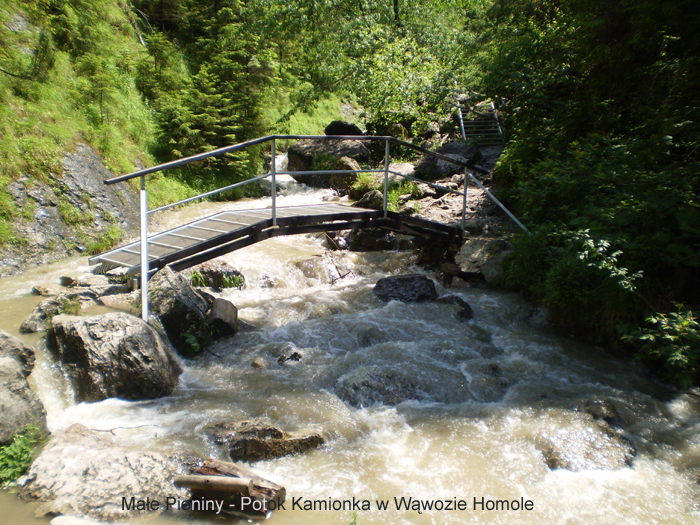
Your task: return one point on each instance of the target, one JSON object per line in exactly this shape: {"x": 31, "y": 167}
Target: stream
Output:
{"x": 487, "y": 393}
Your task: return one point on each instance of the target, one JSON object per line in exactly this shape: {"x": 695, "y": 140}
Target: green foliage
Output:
{"x": 197, "y": 278}
{"x": 365, "y": 182}
{"x": 353, "y": 519}
{"x": 70, "y": 307}
{"x": 217, "y": 281}
{"x": 16, "y": 457}
{"x": 192, "y": 343}
{"x": 587, "y": 293}
{"x": 111, "y": 238}
{"x": 397, "y": 189}
{"x": 672, "y": 338}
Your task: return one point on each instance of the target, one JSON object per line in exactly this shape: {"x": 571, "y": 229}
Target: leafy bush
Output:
{"x": 672, "y": 338}
{"x": 16, "y": 457}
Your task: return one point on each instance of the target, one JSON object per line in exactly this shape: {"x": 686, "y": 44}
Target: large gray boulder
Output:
{"x": 82, "y": 472}
{"x": 113, "y": 355}
{"x": 405, "y": 288}
{"x": 182, "y": 311}
{"x": 306, "y": 155}
{"x": 19, "y": 405}
{"x": 431, "y": 168}
{"x": 483, "y": 257}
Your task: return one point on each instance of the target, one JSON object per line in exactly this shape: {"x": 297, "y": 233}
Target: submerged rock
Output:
{"x": 20, "y": 405}
{"x": 585, "y": 445}
{"x": 80, "y": 471}
{"x": 466, "y": 311}
{"x": 254, "y": 440}
{"x": 113, "y": 355}
{"x": 367, "y": 386}
{"x": 182, "y": 311}
{"x": 405, "y": 288}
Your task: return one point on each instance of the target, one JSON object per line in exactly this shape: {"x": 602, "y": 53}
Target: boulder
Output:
{"x": 405, "y": 288}
{"x": 373, "y": 239}
{"x": 367, "y": 386}
{"x": 260, "y": 362}
{"x": 113, "y": 355}
{"x": 340, "y": 127}
{"x": 217, "y": 274}
{"x": 483, "y": 257}
{"x": 223, "y": 317}
{"x": 66, "y": 302}
{"x": 12, "y": 347}
{"x": 374, "y": 200}
{"x": 82, "y": 472}
{"x": 324, "y": 154}
{"x": 255, "y": 440}
{"x": 584, "y": 445}
{"x": 465, "y": 312}
{"x": 47, "y": 289}
{"x": 182, "y": 311}
{"x": 90, "y": 279}
{"x": 19, "y": 404}
{"x": 431, "y": 168}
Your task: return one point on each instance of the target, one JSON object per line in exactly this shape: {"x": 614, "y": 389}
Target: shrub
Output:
{"x": 673, "y": 339}
{"x": 16, "y": 457}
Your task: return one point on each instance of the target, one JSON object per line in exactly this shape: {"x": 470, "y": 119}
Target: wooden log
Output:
{"x": 216, "y": 483}
{"x": 263, "y": 495}
{"x": 261, "y": 486}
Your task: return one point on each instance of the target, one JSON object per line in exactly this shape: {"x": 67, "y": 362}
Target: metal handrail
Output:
{"x": 262, "y": 140}
{"x": 145, "y": 212}
{"x": 478, "y": 182}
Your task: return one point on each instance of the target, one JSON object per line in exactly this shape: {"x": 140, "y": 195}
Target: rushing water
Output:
{"x": 487, "y": 390}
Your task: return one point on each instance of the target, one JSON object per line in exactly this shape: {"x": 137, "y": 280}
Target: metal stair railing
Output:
{"x": 478, "y": 182}
{"x": 467, "y": 167}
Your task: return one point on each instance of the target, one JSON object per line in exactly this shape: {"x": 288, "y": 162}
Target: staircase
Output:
{"x": 480, "y": 125}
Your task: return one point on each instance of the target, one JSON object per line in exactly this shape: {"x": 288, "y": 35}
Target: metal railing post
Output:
{"x": 464, "y": 202}
{"x": 144, "y": 250}
{"x": 461, "y": 122}
{"x": 273, "y": 169}
{"x": 386, "y": 175}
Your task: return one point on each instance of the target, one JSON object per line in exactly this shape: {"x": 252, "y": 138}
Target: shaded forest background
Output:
{"x": 599, "y": 102}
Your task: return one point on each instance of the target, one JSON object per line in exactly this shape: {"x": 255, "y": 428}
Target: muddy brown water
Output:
{"x": 486, "y": 391}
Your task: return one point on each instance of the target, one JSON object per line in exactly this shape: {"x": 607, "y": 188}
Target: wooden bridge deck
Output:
{"x": 224, "y": 232}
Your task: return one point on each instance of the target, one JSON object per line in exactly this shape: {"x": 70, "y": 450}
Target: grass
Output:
{"x": 72, "y": 215}
{"x": 16, "y": 457}
{"x": 109, "y": 240}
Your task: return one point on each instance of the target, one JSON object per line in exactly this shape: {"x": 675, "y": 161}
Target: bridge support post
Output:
{"x": 386, "y": 175}
{"x": 144, "y": 250}
{"x": 464, "y": 202}
{"x": 273, "y": 170}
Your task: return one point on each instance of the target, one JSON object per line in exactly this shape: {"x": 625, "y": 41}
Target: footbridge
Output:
{"x": 224, "y": 232}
